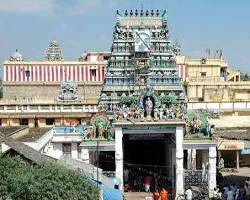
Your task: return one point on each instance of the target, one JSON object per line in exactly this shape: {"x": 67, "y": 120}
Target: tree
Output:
{"x": 21, "y": 180}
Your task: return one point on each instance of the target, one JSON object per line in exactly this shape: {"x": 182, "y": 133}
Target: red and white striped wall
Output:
{"x": 52, "y": 73}
{"x": 182, "y": 72}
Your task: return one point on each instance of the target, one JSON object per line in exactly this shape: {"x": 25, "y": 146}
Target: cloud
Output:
{"x": 27, "y": 6}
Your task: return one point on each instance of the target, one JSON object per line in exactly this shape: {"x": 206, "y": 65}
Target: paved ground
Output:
{"x": 237, "y": 177}
{"x": 137, "y": 195}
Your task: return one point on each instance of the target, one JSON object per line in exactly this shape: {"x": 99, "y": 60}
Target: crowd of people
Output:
{"x": 233, "y": 192}
{"x": 154, "y": 181}
{"x": 160, "y": 185}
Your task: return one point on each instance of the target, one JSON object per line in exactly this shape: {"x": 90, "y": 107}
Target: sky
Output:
{"x": 87, "y": 25}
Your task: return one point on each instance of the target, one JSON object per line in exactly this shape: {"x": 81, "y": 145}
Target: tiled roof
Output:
{"x": 33, "y": 135}
{"x": 9, "y": 130}
{"x": 27, "y": 151}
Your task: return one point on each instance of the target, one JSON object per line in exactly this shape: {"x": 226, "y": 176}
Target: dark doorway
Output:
{"x": 147, "y": 156}
{"x": 107, "y": 160}
{"x": 144, "y": 152}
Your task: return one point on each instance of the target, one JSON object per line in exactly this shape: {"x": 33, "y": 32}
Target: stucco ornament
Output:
{"x": 68, "y": 92}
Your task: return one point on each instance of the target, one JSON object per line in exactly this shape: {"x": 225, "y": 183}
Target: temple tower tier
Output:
{"x": 142, "y": 62}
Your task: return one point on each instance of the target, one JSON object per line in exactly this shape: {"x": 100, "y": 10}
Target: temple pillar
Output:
{"x": 189, "y": 159}
{"x": 119, "y": 156}
{"x": 237, "y": 159}
{"x": 85, "y": 155}
{"x": 179, "y": 161}
{"x": 193, "y": 159}
{"x": 74, "y": 150}
{"x": 212, "y": 170}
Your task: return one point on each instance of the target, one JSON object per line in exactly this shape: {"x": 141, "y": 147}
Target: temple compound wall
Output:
{"x": 47, "y": 93}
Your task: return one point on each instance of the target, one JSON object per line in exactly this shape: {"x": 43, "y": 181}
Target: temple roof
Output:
{"x": 9, "y": 130}
{"x": 27, "y": 151}
{"x": 33, "y": 134}
{"x": 137, "y": 18}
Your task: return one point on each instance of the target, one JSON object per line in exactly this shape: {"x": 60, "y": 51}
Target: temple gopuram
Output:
{"x": 142, "y": 69}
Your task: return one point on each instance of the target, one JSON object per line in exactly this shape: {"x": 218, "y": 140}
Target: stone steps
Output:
{"x": 137, "y": 195}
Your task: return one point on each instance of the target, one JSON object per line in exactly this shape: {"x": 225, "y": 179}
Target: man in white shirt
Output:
{"x": 189, "y": 194}
{"x": 217, "y": 194}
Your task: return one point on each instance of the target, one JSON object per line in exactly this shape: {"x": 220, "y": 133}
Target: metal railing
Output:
{"x": 197, "y": 178}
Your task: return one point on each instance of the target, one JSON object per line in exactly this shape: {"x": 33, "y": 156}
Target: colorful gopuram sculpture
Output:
{"x": 142, "y": 81}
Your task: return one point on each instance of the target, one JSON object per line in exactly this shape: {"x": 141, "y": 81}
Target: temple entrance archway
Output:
{"x": 137, "y": 142}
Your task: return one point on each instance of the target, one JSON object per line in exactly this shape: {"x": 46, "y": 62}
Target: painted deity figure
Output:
{"x": 100, "y": 130}
{"x": 149, "y": 107}
{"x": 196, "y": 125}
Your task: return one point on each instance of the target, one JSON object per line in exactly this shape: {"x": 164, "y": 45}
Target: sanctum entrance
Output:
{"x": 154, "y": 149}
{"x": 149, "y": 155}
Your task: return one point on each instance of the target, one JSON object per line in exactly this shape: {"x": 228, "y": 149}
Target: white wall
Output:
{"x": 74, "y": 150}
{"x": 57, "y": 150}
{"x": 225, "y": 106}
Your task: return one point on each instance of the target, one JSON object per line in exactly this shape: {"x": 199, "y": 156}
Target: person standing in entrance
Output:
{"x": 156, "y": 195}
{"x": 147, "y": 182}
{"x": 230, "y": 194}
{"x": 164, "y": 194}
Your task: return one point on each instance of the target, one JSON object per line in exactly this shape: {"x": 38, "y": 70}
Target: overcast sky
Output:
{"x": 87, "y": 25}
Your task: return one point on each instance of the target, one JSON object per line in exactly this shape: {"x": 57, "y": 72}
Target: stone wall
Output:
{"x": 218, "y": 92}
{"x": 47, "y": 93}
{"x": 231, "y": 121}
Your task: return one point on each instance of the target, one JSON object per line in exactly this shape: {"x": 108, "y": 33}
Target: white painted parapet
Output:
{"x": 222, "y": 106}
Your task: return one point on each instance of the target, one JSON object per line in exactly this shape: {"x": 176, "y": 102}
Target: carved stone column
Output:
{"x": 119, "y": 156}
{"x": 179, "y": 161}
{"x": 212, "y": 170}
{"x": 193, "y": 159}
{"x": 237, "y": 159}
{"x": 189, "y": 159}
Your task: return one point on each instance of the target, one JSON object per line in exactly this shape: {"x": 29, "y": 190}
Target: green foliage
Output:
{"x": 128, "y": 100}
{"x": 168, "y": 100}
{"x": 20, "y": 180}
